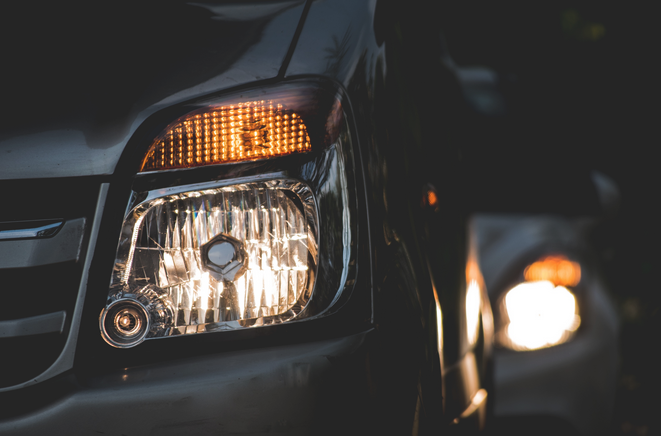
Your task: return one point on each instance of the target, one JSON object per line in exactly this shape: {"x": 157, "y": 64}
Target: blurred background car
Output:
{"x": 556, "y": 327}
{"x": 556, "y": 359}
{"x": 582, "y": 87}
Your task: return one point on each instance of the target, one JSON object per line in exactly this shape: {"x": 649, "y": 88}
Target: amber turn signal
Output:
{"x": 231, "y": 133}
{"x": 557, "y": 269}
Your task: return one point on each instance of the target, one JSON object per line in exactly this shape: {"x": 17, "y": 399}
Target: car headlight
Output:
{"x": 542, "y": 311}
{"x": 267, "y": 239}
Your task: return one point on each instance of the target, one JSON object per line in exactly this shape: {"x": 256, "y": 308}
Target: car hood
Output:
{"x": 79, "y": 78}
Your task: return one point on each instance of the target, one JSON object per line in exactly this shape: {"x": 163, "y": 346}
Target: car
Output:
{"x": 236, "y": 218}
{"x": 556, "y": 354}
{"x": 555, "y": 363}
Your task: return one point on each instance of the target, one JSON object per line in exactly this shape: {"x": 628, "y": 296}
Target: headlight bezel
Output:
{"x": 316, "y": 327}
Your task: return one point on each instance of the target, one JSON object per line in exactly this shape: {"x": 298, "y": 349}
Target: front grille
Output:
{"x": 40, "y": 275}
{"x": 28, "y": 292}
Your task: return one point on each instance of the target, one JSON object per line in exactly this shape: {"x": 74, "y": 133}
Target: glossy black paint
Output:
{"x": 409, "y": 112}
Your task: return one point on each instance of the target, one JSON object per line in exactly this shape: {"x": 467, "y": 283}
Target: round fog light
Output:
{"x": 124, "y": 323}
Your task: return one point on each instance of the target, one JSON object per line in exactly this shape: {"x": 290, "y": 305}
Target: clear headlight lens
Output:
{"x": 538, "y": 315}
{"x": 214, "y": 257}
{"x": 238, "y": 253}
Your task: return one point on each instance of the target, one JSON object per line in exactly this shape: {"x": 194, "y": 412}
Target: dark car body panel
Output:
{"x": 246, "y": 392}
{"x": 79, "y": 88}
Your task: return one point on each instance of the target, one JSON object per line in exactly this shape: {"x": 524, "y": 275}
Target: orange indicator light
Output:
{"x": 557, "y": 269}
{"x": 233, "y": 133}
{"x": 432, "y": 199}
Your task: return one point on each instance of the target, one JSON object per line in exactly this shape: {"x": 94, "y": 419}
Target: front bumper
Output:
{"x": 293, "y": 389}
{"x": 573, "y": 382}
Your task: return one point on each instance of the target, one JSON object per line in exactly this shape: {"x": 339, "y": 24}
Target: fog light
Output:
{"x": 124, "y": 323}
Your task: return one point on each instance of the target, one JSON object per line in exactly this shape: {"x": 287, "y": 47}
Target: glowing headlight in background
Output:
{"x": 213, "y": 259}
{"x": 540, "y": 315}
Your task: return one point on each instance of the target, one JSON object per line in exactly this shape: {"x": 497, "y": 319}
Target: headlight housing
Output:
{"x": 267, "y": 238}
{"x": 541, "y": 311}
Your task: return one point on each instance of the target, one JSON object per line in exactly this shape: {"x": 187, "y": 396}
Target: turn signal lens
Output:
{"x": 232, "y": 133}
{"x": 539, "y": 315}
{"x": 556, "y": 269}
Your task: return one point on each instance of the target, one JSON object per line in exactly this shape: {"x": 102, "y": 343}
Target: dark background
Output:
{"x": 586, "y": 74}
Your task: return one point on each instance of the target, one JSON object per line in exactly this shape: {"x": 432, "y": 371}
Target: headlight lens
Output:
{"x": 238, "y": 252}
{"x": 220, "y": 256}
{"x": 542, "y": 311}
{"x": 540, "y": 315}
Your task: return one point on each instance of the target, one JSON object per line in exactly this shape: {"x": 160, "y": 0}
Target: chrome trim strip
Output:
{"x": 65, "y": 361}
{"x": 180, "y": 189}
{"x": 34, "y": 325}
{"x": 62, "y": 247}
{"x": 44, "y": 231}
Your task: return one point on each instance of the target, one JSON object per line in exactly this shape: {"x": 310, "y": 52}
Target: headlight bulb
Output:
{"x": 224, "y": 257}
{"x": 124, "y": 323}
{"x": 128, "y": 321}
{"x": 130, "y": 317}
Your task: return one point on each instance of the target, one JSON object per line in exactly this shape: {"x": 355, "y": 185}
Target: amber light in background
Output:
{"x": 557, "y": 269}
{"x": 432, "y": 200}
{"x": 232, "y": 133}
